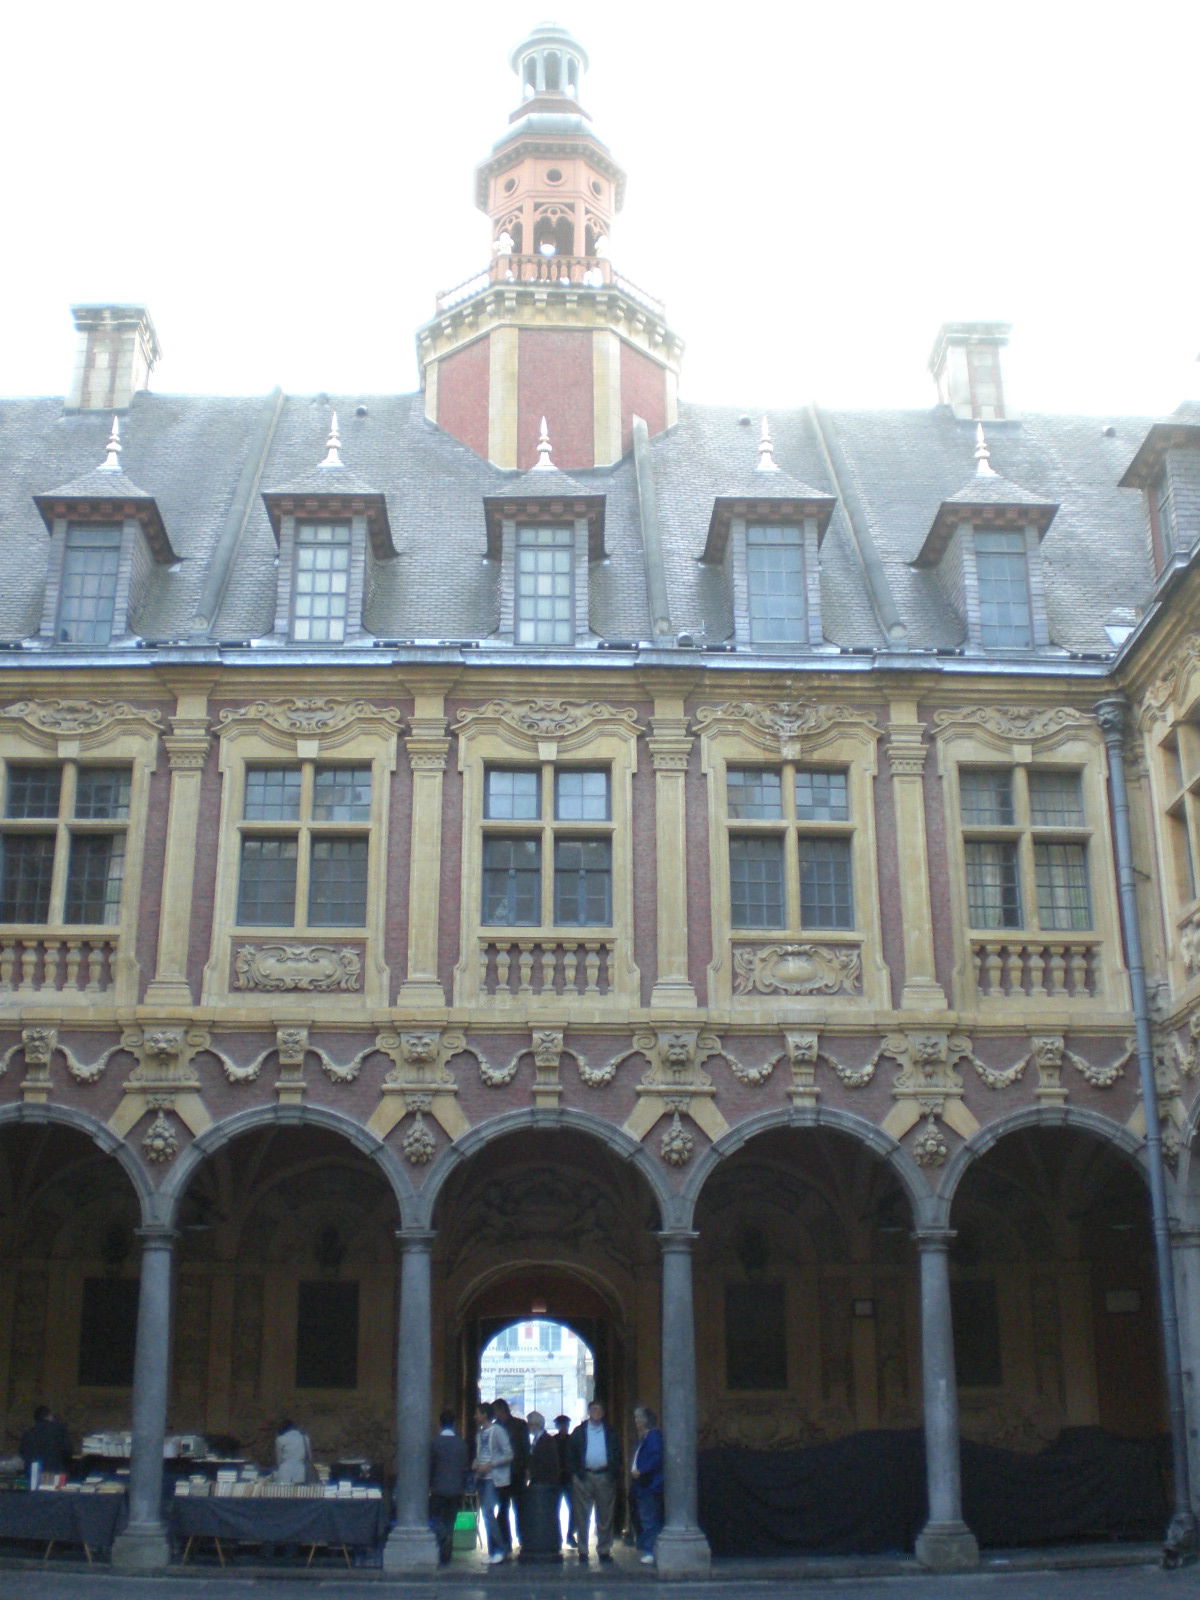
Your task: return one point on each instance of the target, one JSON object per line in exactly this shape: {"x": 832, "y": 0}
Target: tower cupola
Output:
{"x": 549, "y": 327}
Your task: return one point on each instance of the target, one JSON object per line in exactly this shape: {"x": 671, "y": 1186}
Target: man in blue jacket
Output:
{"x": 647, "y": 1474}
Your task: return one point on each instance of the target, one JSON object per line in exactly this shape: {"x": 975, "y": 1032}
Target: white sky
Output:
{"x": 813, "y": 190}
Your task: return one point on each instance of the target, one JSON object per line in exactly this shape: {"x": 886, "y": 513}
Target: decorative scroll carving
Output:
{"x": 930, "y": 1148}
{"x": 548, "y": 719}
{"x": 312, "y": 716}
{"x": 1187, "y": 1056}
{"x": 1172, "y": 1144}
{"x": 782, "y": 726}
{"x": 160, "y": 1143}
{"x": 1189, "y": 943}
{"x": 677, "y": 1057}
{"x": 297, "y": 967}
{"x": 71, "y": 718}
{"x": 291, "y": 1046}
{"x": 1154, "y": 703}
{"x": 677, "y": 1143}
{"x": 418, "y": 1143}
{"x": 794, "y": 969}
{"x": 1024, "y": 723}
{"x": 38, "y": 1045}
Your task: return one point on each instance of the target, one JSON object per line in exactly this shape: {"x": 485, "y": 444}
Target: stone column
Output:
{"x": 945, "y": 1542}
{"x": 428, "y": 748}
{"x": 411, "y": 1546}
{"x": 670, "y": 745}
{"x": 682, "y": 1550}
{"x": 187, "y": 749}
{"x": 1185, "y": 1250}
{"x": 144, "y": 1542}
{"x": 906, "y": 749}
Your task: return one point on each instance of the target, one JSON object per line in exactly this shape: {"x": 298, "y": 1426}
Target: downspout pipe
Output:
{"x": 1179, "y": 1545}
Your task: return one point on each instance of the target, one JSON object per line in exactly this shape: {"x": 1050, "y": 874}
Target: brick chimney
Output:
{"x": 966, "y": 367}
{"x": 118, "y": 349}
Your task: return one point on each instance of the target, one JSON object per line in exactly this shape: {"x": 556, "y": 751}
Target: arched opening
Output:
{"x": 548, "y": 1227}
{"x": 68, "y": 1292}
{"x": 553, "y": 70}
{"x": 1057, "y": 1343}
{"x": 808, "y": 1347}
{"x": 539, "y": 1365}
{"x": 286, "y": 1298}
{"x": 554, "y": 236}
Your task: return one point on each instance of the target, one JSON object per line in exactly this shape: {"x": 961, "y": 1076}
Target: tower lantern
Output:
{"x": 549, "y": 328}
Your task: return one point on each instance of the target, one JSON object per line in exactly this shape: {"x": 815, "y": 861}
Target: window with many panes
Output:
{"x": 1002, "y": 570}
{"x": 547, "y": 847}
{"x": 545, "y": 585}
{"x": 775, "y": 584}
{"x": 1181, "y": 786}
{"x": 790, "y": 847}
{"x": 62, "y": 848}
{"x": 321, "y": 581}
{"x": 305, "y": 833}
{"x": 88, "y": 587}
{"x": 1025, "y": 845}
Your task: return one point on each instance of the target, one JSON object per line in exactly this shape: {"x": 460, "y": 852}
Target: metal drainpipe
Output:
{"x": 1180, "y": 1542}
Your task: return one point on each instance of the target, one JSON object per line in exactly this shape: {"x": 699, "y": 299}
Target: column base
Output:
{"x": 421, "y": 992}
{"x": 682, "y": 1553}
{"x": 947, "y": 1547}
{"x": 142, "y": 1547}
{"x": 410, "y": 1550}
{"x": 169, "y": 992}
{"x": 673, "y": 994}
{"x": 923, "y": 996}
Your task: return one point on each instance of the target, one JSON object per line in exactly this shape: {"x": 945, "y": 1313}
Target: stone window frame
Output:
{"x": 1170, "y": 725}
{"x": 588, "y": 736}
{"x": 549, "y": 831}
{"x": 838, "y": 737}
{"x": 1039, "y": 628}
{"x": 290, "y": 733}
{"x": 739, "y": 578}
{"x": 54, "y": 733}
{"x": 1063, "y": 739}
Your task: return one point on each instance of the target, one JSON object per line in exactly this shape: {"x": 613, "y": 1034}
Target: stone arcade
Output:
{"x": 539, "y": 844}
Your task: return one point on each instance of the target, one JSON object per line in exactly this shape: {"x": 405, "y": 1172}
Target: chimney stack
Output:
{"x": 966, "y": 367}
{"x": 118, "y": 349}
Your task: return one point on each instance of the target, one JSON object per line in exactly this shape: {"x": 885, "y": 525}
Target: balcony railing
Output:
{"x": 38, "y": 964}
{"x": 550, "y": 272}
{"x": 1058, "y": 969}
{"x": 550, "y": 967}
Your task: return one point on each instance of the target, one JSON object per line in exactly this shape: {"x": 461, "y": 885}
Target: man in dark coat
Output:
{"x": 518, "y": 1435}
{"x": 595, "y": 1455}
{"x": 562, "y": 1438}
{"x": 47, "y": 1442}
{"x": 449, "y": 1462}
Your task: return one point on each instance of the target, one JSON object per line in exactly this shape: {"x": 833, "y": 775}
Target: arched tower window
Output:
{"x": 553, "y": 70}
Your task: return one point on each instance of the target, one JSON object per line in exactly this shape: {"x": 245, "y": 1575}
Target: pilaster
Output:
{"x": 670, "y": 749}
{"x": 428, "y": 746}
{"x": 906, "y": 750}
{"x": 187, "y": 747}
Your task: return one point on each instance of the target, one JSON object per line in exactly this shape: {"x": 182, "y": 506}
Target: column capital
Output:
{"x": 416, "y": 1240}
{"x": 676, "y": 1241}
{"x": 934, "y": 1238}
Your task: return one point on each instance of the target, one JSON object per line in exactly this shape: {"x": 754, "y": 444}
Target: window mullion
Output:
{"x": 62, "y": 846}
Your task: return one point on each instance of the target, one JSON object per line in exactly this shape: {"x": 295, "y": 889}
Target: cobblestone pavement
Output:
{"x": 994, "y": 1581}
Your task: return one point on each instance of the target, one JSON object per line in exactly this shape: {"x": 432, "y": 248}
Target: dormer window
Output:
{"x": 767, "y": 533}
{"x": 985, "y": 548}
{"x": 1167, "y": 471}
{"x": 544, "y": 532}
{"x": 330, "y": 527}
{"x": 105, "y": 536}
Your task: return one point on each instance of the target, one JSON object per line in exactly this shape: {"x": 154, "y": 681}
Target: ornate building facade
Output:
{"x": 538, "y": 848}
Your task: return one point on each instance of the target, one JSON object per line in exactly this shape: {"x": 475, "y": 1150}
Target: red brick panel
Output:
{"x": 462, "y": 395}
{"x": 643, "y": 394}
{"x": 555, "y": 382}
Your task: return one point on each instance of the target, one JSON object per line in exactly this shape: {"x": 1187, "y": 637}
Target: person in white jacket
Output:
{"x": 493, "y": 1470}
{"x": 293, "y": 1454}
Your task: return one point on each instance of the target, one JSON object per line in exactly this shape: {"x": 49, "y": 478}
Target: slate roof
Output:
{"x": 889, "y": 472}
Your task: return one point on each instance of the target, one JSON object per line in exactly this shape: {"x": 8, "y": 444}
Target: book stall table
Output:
{"x": 62, "y": 1516}
{"x": 339, "y": 1522}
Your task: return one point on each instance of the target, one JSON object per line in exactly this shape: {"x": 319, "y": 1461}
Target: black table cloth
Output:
{"x": 262, "y": 1520}
{"x": 52, "y": 1516}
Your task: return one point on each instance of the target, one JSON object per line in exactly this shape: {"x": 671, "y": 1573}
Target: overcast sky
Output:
{"x": 813, "y": 190}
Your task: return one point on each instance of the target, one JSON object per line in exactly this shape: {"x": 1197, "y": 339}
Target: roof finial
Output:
{"x": 333, "y": 445}
{"x": 983, "y": 456}
{"x": 543, "y": 462}
{"x": 112, "y": 461}
{"x": 766, "y": 450}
